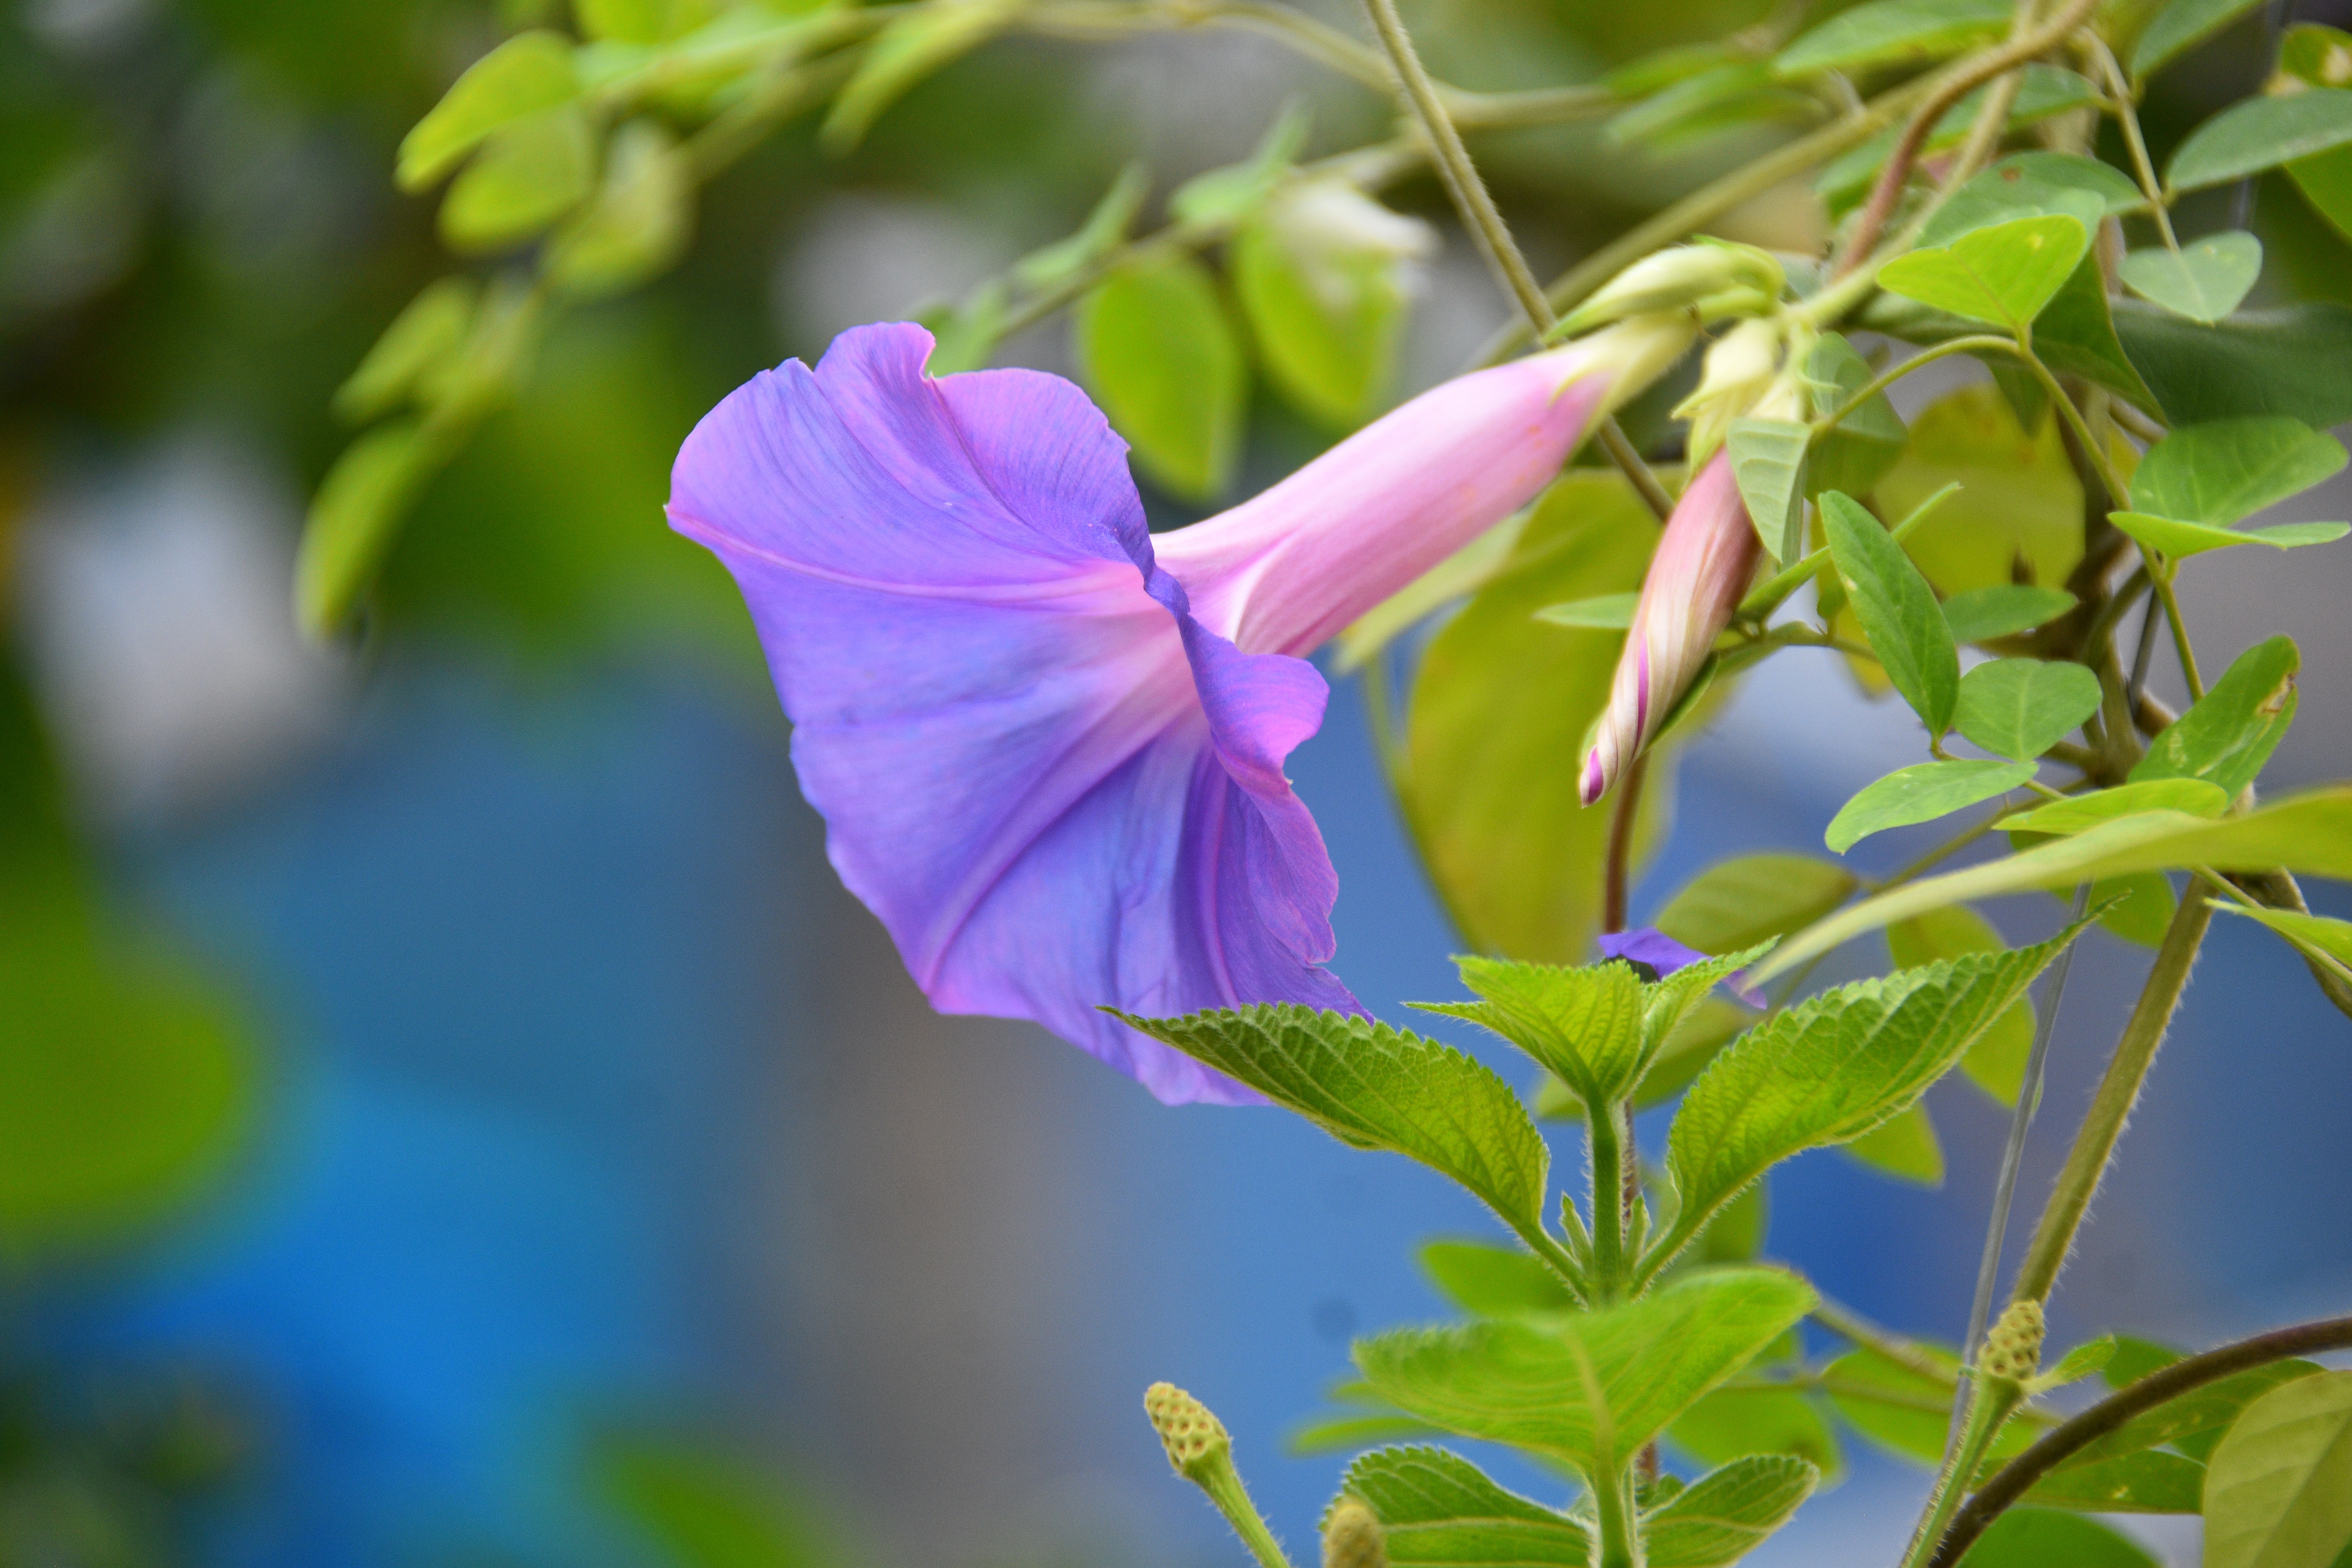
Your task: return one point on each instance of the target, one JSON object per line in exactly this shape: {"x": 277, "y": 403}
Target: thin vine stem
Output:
{"x": 2127, "y": 119}
{"x": 2180, "y": 644}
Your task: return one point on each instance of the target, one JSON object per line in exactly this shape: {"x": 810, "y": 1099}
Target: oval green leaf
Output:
{"x": 2080, "y": 813}
{"x": 2182, "y": 27}
{"x": 529, "y": 73}
{"x": 2020, "y": 707}
{"x": 2261, "y": 133}
{"x": 2005, "y": 609}
{"x": 1921, "y": 793}
{"x": 530, "y": 173}
{"x": 1897, "y": 610}
{"x": 2227, "y": 469}
{"x": 2278, "y": 1491}
{"x": 1752, "y": 899}
{"x": 1892, "y": 32}
{"x": 1163, "y": 360}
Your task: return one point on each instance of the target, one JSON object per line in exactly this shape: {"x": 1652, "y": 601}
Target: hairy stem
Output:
{"x": 1612, "y": 1158}
{"x": 1847, "y": 1323}
{"x": 1614, "y": 1514}
{"x": 2071, "y": 1437}
{"x": 2095, "y": 1144}
{"x": 1990, "y": 1400}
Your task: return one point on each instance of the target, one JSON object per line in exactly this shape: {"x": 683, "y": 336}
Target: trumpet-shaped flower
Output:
{"x": 1695, "y": 581}
{"x": 1049, "y": 746}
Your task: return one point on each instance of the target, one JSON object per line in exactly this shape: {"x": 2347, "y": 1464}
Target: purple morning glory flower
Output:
{"x": 1047, "y": 746}
{"x": 1662, "y": 955}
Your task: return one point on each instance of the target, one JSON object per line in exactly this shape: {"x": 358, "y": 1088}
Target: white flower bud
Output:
{"x": 1331, "y": 229}
{"x": 1678, "y": 276}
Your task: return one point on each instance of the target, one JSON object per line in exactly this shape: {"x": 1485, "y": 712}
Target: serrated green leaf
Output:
{"x": 1996, "y": 1063}
{"x": 1437, "y": 1509}
{"x": 2181, "y": 540}
{"x": 1602, "y": 612}
{"x": 1583, "y": 1024}
{"x": 2046, "y": 91}
{"x": 2197, "y": 797}
{"x": 2003, "y": 273}
{"x": 1490, "y": 1281}
{"x": 1723, "y": 1516}
{"x": 2229, "y": 469}
{"x": 2296, "y": 361}
{"x": 2151, "y": 1482}
{"x": 2228, "y": 735}
{"x": 2310, "y": 831}
{"x": 910, "y": 48}
{"x": 1596, "y": 1386}
{"x": 1921, "y": 793}
{"x": 2040, "y": 1538}
{"x": 526, "y": 75}
{"x": 1831, "y": 1069}
{"x": 637, "y": 227}
{"x": 529, "y": 173}
{"x": 1898, "y": 611}
{"x": 1710, "y": 1025}
{"x": 2020, "y": 707}
{"x": 2203, "y": 281}
{"x": 1905, "y": 1147}
{"x": 1752, "y": 899}
{"x": 353, "y": 520}
{"x": 1767, "y": 464}
{"x": 2031, "y": 185}
{"x": 1853, "y": 455}
{"x": 1376, "y": 1087}
{"x": 1746, "y": 1418}
{"x": 429, "y": 333}
{"x": 1163, "y": 359}
{"x": 2005, "y": 609}
{"x": 1892, "y": 32}
{"x": 2180, "y": 26}
{"x": 2260, "y": 134}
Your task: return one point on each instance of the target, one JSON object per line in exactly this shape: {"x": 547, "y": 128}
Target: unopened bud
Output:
{"x": 1194, "y": 1438}
{"x": 2013, "y": 1349}
{"x": 1352, "y": 1537}
{"x": 1333, "y": 231}
{"x": 1739, "y": 369}
{"x": 1678, "y": 276}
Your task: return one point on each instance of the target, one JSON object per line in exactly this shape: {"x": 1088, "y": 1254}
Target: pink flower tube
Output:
{"x": 1704, "y": 561}
{"x": 1047, "y": 745}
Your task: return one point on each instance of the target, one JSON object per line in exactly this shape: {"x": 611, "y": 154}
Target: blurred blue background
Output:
{"x": 598, "y": 1190}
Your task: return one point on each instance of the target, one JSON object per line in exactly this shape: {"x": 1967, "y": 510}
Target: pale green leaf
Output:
{"x": 2181, "y": 540}
{"x": 526, "y": 75}
{"x": 2042, "y": 1538}
{"x": 911, "y": 47}
{"x": 2029, "y": 184}
{"x": 1490, "y": 1281}
{"x": 2020, "y": 707}
{"x": 1723, "y": 1516}
{"x": 2194, "y": 1423}
{"x": 2003, "y": 273}
{"x": 2003, "y": 609}
{"x": 2077, "y": 1363}
{"x": 1892, "y": 33}
{"x": 1105, "y": 228}
{"x": 2319, "y": 56}
{"x": 1163, "y": 359}
{"x": 1437, "y": 1509}
{"x": 426, "y": 335}
{"x": 1583, "y": 1024}
{"x": 2229, "y": 469}
{"x": 2181, "y": 26}
{"x": 1327, "y": 327}
{"x": 1376, "y": 1087}
{"x": 1831, "y": 1069}
{"x": 1602, "y": 612}
{"x": 1724, "y": 97}
{"x": 2149, "y": 1482}
{"x": 2197, "y": 797}
{"x": 1767, "y": 464}
{"x": 2306, "y": 831}
{"x": 1997, "y": 1062}
{"x": 1853, "y": 454}
{"x": 2319, "y": 934}
{"x": 1592, "y": 1388}
{"x": 2018, "y": 501}
{"x": 1921, "y": 793}
{"x": 530, "y": 173}
{"x": 1898, "y": 611}
{"x": 639, "y": 223}
{"x": 1905, "y": 1147}
{"x": 2228, "y": 735}
{"x": 2203, "y": 281}
{"x": 1752, "y": 899}
{"x": 2139, "y": 906}
{"x": 964, "y": 333}
{"x": 2258, "y": 133}
{"x": 353, "y": 518}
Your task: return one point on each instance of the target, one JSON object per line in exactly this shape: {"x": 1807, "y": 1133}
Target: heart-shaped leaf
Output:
{"x": 2020, "y": 707}
{"x": 2003, "y": 273}
{"x": 2227, "y": 469}
{"x": 2203, "y": 281}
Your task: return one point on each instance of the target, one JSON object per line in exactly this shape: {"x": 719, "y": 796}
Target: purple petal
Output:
{"x": 1663, "y": 955}
{"x": 1054, "y": 788}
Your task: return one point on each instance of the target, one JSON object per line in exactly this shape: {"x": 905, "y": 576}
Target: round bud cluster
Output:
{"x": 2013, "y": 1349}
{"x": 1187, "y": 1430}
{"x": 1352, "y": 1537}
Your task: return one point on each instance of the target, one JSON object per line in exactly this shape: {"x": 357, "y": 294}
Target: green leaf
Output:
{"x": 2180, "y": 26}
{"x": 1375, "y": 1087}
{"x": 1722, "y": 1517}
{"x": 1513, "y": 853}
{"x": 2197, "y": 797}
{"x": 1690, "y": 1045}
{"x": 2137, "y": 1483}
{"x": 1105, "y": 228}
{"x": 2308, "y": 933}
{"x": 530, "y": 173}
{"x": 2181, "y": 540}
{"x": 639, "y": 21}
{"x": 428, "y": 334}
{"x": 1997, "y": 1062}
{"x": 1648, "y": 73}
{"x": 1726, "y": 98}
{"x": 1493, "y": 1281}
{"x": 1346, "y": 1433}
{"x": 526, "y": 75}
{"x": 2296, "y": 361}
{"x": 2319, "y": 56}
{"x": 2047, "y": 91}
{"x": 1921, "y": 793}
{"x": 1584, "y": 1025}
{"x": 1602, "y": 612}
{"x": 1831, "y": 1069}
{"x": 2194, "y": 1423}
{"x": 1902, "y": 1410}
{"x": 2228, "y": 736}
{"x": 1229, "y": 194}
{"x": 1593, "y": 1388}
{"x": 910, "y": 48}
{"x": 1323, "y": 276}
{"x": 1163, "y": 361}
{"x": 2221, "y": 472}
{"x": 1752, "y": 899}
{"x": 2018, "y": 498}
{"x": 1767, "y": 464}
{"x": 1892, "y": 33}
{"x": 706, "y": 1508}
{"x": 637, "y": 227}
{"x": 2003, "y": 273}
{"x": 964, "y": 334}
{"x": 1743, "y": 1417}
{"x": 1898, "y": 611}
{"x": 1437, "y": 1509}
{"x": 2038, "y": 1538}
{"x": 1854, "y": 453}
{"x": 2028, "y": 184}
{"x": 1905, "y": 1147}
{"x": 2259, "y": 134}
{"x": 353, "y": 520}
{"x": 2003, "y": 609}
{"x": 2078, "y": 1364}
{"x": 2134, "y": 1359}
{"x": 2310, "y": 831}
{"x": 2203, "y": 281}
{"x": 2020, "y": 707}
{"x": 2139, "y": 906}
{"x": 2075, "y": 335}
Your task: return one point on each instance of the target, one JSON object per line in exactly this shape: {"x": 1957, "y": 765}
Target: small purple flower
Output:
{"x": 1048, "y": 747}
{"x": 1663, "y": 955}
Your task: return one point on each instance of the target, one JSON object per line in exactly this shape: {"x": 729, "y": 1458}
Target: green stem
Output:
{"x": 1988, "y": 1407}
{"x": 1610, "y": 1147}
{"x": 2127, "y": 118}
{"x": 1223, "y": 1486}
{"x": 1847, "y": 1323}
{"x": 1617, "y": 865}
{"x": 1619, "y": 1548}
{"x": 1974, "y": 343}
{"x": 2162, "y": 578}
{"x": 2095, "y": 1144}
